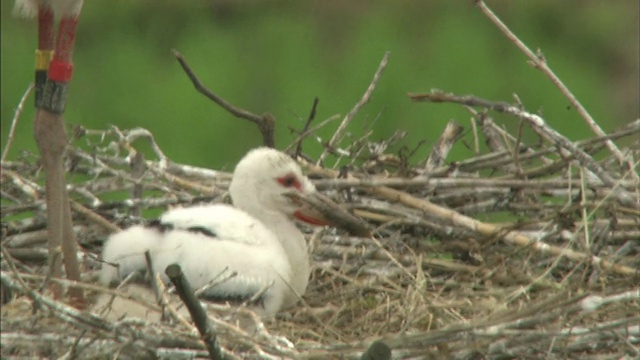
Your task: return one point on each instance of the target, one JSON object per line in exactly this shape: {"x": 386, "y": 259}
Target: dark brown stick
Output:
{"x": 312, "y": 115}
{"x": 199, "y": 316}
{"x": 378, "y": 350}
{"x": 266, "y": 122}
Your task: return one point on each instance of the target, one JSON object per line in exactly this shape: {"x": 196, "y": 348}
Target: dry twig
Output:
{"x": 436, "y": 281}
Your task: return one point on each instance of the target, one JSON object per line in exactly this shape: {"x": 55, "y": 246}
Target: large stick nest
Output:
{"x": 427, "y": 283}
{"x": 526, "y": 250}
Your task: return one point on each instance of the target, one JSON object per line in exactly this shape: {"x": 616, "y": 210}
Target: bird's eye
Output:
{"x": 289, "y": 181}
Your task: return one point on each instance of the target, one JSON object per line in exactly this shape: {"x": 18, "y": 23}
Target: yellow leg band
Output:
{"x": 43, "y": 58}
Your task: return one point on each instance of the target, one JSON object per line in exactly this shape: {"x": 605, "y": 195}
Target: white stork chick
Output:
{"x": 257, "y": 238}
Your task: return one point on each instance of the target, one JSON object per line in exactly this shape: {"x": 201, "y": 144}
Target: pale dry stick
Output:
{"x": 365, "y": 98}
{"x": 476, "y": 139}
{"x": 164, "y": 163}
{"x": 486, "y": 229}
{"x": 91, "y": 287}
{"x": 340, "y": 252}
{"x": 355, "y": 155}
{"x": 165, "y": 304}
{"x": 328, "y": 268}
{"x": 123, "y": 295}
{"x": 240, "y": 335}
{"x": 549, "y": 310}
{"x": 315, "y": 239}
{"x": 14, "y": 122}
{"x": 481, "y": 327}
{"x": 136, "y": 133}
{"x": 222, "y": 277}
{"x": 441, "y": 149}
{"x": 569, "y": 342}
{"x": 498, "y": 159}
{"x": 23, "y": 239}
{"x": 495, "y": 138}
{"x": 153, "y": 167}
{"x": 101, "y": 166}
{"x": 539, "y": 125}
{"x": 575, "y": 340}
{"x": 310, "y": 131}
{"x": 96, "y": 288}
{"x": 593, "y": 302}
{"x": 499, "y": 140}
{"x": 572, "y": 239}
{"x": 94, "y": 216}
{"x": 27, "y": 239}
{"x": 508, "y": 137}
{"x": 489, "y": 122}
{"x": 516, "y": 151}
{"x": 198, "y": 172}
{"x": 190, "y": 185}
{"x": 539, "y": 62}
{"x": 54, "y": 340}
{"x": 280, "y": 343}
{"x": 624, "y": 324}
{"x": 171, "y": 353}
{"x": 12, "y": 267}
{"x": 138, "y": 170}
{"x": 585, "y": 224}
{"x": 26, "y": 186}
{"x": 457, "y": 183}
{"x": 86, "y": 320}
{"x": 87, "y": 195}
{"x": 393, "y": 259}
{"x": 161, "y": 166}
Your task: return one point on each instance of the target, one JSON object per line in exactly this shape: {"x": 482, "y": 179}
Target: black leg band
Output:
{"x": 54, "y": 96}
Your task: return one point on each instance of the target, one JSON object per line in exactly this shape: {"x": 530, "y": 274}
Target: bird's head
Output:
{"x": 263, "y": 181}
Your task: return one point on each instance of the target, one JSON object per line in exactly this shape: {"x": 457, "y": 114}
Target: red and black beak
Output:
{"x": 311, "y": 216}
{"x": 317, "y": 209}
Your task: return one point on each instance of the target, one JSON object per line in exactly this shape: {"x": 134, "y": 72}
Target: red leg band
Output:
{"x": 60, "y": 71}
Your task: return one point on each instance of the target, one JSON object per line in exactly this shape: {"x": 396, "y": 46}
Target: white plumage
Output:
{"x": 257, "y": 238}
{"x": 29, "y": 8}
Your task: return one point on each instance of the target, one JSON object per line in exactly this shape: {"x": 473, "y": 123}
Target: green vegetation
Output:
{"x": 277, "y": 56}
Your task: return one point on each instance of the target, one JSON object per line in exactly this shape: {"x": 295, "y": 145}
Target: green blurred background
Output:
{"x": 276, "y": 56}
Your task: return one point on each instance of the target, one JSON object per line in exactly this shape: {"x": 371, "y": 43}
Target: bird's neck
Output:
{"x": 292, "y": 241}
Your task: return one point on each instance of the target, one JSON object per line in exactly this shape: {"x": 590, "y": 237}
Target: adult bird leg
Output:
{"x": 51, "y": 138}
{"x": 49, "y": 152}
